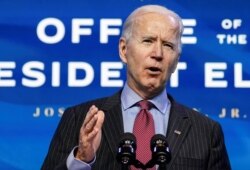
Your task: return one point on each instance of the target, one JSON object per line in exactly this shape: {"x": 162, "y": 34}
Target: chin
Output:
{"x": 154, "y": 87}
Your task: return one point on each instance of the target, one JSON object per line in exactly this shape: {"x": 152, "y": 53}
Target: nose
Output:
{"x": 157, "y": 51}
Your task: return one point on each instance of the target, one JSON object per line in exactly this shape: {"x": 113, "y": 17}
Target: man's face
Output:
{"x": 151, "y": 54}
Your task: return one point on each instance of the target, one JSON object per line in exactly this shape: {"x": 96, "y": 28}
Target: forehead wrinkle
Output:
{"x": 164, "y": 35}
{"x": 170, "y": 21}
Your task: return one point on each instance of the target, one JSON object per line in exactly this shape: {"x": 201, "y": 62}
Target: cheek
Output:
{"x": 170, "y": 67}
{"x": 135, "y": 59}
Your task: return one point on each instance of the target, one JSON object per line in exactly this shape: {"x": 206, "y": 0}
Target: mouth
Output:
{"x": 154, "y": 70}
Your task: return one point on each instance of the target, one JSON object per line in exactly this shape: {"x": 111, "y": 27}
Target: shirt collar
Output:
{"x": 129, "y": 98}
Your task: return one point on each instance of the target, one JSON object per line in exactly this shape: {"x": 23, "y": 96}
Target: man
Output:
{"x": 88, "y": 133}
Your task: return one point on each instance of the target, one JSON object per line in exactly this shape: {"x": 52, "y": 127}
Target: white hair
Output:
{"x": 129, "y": 22}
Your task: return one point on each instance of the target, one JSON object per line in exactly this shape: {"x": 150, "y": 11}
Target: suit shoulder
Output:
{"x": 101, "y": 103}
{"x": 192, "y": 114}
{"x": 85, "y": 105}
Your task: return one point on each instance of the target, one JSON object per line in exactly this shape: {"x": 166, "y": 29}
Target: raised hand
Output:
{"x": 90, "y": 134}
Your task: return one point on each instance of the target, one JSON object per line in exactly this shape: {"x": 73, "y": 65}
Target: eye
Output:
{"x": 147, "y": 41}
{"x": 168, "y": 45}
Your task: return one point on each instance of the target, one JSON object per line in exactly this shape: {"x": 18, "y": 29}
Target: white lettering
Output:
{"x": 187, "y": 32}
{"x": 242, "y": 39}
{"x": 37, "y": 112}
{"x": 6, "y": 74}
{"x": 228, "y": 24}
{"x": 213, "y": 73}
{"x": 49, "y": 111}
{"x": 238, "y": 78}
{"x": 174, "y": 80}
{"x": 41, "y": 33}
{"x": 31, "y": 70}
{"x": 77, "y": 29}
{"x": 221, "y": 38}
{"x": 108, "y": 71}
{"x": 73, "y": 81}
{"x": 55, "y": 77}
{"x": 106, "y": 31}
{"x": 232, "y": 38}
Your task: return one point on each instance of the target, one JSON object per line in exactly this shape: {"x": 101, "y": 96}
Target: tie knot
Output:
{"x": 144, "y": 104}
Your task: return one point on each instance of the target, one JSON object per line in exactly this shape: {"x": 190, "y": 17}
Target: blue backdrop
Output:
{"x": 54, "y": 54}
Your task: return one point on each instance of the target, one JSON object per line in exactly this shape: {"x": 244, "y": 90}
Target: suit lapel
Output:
{"x": 113, "y": 124}
{"x": 179, "y": 125}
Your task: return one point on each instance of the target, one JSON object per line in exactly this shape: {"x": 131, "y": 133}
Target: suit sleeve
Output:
{"x": 64, "y": 140}
{"x": 218, "y": 158}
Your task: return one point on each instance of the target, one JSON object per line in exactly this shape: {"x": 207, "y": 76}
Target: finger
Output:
{"x": 100, "y": 120}
{"x": 92, "y": 111}
{"x": 92, "y": 135}
{"x": 97, "y": 126}
{"x": 91, "y": 124}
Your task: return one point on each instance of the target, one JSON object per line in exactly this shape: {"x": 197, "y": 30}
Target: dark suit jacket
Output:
{"x": 200, "y": 144}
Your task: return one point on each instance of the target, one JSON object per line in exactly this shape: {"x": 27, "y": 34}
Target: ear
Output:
{"x": 123, "y": 49}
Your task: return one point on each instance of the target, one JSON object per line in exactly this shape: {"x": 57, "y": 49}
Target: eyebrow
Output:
{"x": 155, "y": 37}
{"x": 149, "y": 36}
